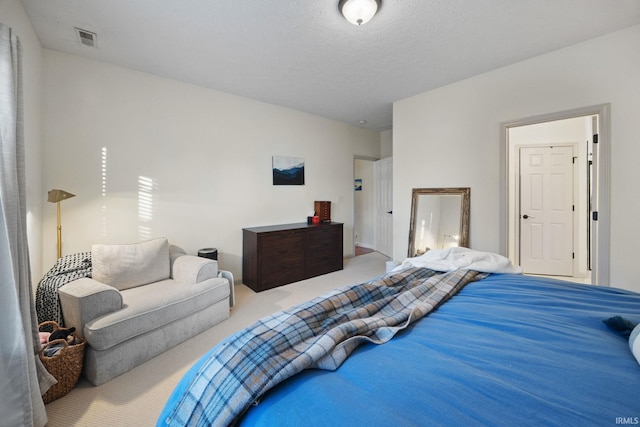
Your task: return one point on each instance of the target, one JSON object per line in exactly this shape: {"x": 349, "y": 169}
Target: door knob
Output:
{"x": 390, "y": 212}
{"x": 525, "y": 216}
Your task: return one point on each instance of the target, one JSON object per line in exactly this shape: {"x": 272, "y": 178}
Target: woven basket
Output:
{"x": 65, "y": 366}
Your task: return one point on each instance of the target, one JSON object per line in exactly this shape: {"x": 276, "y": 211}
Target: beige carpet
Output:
{"x": 137, "y": 397}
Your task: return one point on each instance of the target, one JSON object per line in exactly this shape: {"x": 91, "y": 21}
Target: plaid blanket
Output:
{"x": 320, "y": 333}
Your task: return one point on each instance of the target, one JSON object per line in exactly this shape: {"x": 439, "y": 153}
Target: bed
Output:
{"x": 487, "y": 348}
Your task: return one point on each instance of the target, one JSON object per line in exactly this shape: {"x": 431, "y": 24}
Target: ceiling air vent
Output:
{"x": 87, "y": 38}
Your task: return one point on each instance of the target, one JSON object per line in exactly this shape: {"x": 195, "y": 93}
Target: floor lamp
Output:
{"x": 56, "y": 196}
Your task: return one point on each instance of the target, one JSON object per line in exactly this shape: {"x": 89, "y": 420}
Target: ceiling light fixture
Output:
{"x": 358, "y": 12}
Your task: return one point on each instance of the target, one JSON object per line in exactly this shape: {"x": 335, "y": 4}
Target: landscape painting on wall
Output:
{"x": 288, "y": 171}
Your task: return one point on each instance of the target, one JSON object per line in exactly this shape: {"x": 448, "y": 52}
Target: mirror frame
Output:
{"x": 465, "y": 207}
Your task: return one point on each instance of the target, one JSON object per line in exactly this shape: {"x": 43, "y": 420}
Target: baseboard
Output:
{"x": 365, "y": 245}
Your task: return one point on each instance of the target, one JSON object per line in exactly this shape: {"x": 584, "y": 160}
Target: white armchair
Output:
{"x": 141, "y": 301}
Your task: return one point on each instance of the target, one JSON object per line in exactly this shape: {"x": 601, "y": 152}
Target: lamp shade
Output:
{"x": 358, "y": 12}
{"x": 55, "y": 196}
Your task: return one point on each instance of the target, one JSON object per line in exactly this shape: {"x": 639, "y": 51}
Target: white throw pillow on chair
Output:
{"x": 130, "y": 265}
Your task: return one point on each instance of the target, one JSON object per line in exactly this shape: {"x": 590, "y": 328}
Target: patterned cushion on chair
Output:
{"x": 66, "y": 269}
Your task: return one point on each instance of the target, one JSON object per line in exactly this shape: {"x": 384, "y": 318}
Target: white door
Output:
{"x": 546, "y": 210}
{"x": 593, "y": 202}
{"x": 383, "y": 205}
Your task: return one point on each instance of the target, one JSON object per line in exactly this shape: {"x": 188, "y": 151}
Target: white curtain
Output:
{"x": 23, "y": 378}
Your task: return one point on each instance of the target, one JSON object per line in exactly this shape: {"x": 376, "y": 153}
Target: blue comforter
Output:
{"x": 506, "y": 350}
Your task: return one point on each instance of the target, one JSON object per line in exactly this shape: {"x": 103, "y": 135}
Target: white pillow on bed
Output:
{"x": 634, "y": 342}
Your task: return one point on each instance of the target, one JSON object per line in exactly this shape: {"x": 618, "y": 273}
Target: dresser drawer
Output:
{"x": 323, "y": 265}
{"x": 324, "y": 240}
{"x": 281, "y": 276}
{"x": 277, "y": 241}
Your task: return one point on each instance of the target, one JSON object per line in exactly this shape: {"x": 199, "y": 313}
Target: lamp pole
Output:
{"x": 59, "y": 233}
{"x": 56, "y": 196}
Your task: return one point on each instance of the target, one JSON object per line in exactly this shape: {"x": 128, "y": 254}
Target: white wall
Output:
{"x": 12, "y": 13}
{"x": 207, "y": 156}
{"x": 449, "y": 137}
{"x": 386, "y": 144}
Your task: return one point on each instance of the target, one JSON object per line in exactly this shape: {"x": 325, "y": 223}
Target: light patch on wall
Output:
{"x": 104, "y": 171}
{"x": 145, "y": 207}
{"x": 103, "y": 183}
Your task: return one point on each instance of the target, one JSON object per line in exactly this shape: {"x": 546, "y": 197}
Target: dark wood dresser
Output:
{"x": 275, "y": 255}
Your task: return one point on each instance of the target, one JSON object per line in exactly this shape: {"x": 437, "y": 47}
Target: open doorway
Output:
{"x": 363, "y": 202}
{"x": 556, "y": 205}
{"x": 373, "y": 211}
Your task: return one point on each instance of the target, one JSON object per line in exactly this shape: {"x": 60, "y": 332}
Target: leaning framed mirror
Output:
{"x": 439, "y": 219}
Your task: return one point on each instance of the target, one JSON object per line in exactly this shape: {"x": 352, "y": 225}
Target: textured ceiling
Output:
{"x": 303, "y": 54}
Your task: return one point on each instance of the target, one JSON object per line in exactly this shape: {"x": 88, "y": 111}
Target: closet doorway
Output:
{"x": 373, "y": 209}
{"x": 363, "y": 206}
{"x": 556, "y": 214}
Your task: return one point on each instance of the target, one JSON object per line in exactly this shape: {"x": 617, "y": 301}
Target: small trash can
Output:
{"x": 211, "y": 253}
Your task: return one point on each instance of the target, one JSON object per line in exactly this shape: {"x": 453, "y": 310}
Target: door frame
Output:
{"x": 574, "y": 193}
{"x": 600, "y": 238}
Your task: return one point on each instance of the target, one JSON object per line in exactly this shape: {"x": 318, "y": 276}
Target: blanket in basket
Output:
{"x": 65, "y": 270}
{"x": 320, "y": 333}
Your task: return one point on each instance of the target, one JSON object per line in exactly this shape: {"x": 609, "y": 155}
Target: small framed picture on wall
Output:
{"x": 288, "y": 170}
